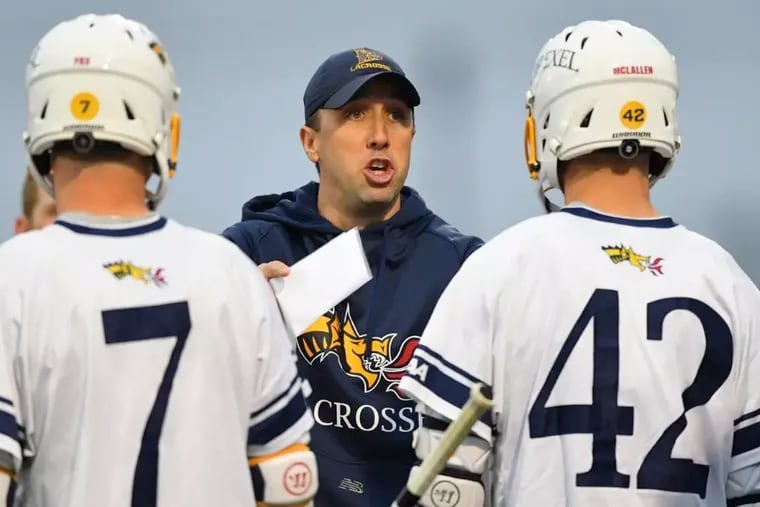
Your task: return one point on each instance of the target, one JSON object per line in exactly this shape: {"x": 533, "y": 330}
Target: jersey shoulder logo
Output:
{"x": 126, "y": 269}
{"x": 359, "y": 355}
{"x": 620, "y": 253}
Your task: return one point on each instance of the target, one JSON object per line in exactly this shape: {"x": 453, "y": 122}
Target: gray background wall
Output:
{"x": 243, "y": 65}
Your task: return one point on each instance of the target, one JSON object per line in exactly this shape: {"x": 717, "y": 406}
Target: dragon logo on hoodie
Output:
{"x": 368, "y": 359}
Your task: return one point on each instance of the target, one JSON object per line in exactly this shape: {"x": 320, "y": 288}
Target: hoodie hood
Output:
{"x": 297, "y": 210}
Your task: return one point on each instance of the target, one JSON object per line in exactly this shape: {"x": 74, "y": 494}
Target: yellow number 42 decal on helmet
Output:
{"x": 633, "y": 115}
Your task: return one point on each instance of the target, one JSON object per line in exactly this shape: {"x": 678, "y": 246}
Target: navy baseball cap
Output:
{"x": 339, "y": 77}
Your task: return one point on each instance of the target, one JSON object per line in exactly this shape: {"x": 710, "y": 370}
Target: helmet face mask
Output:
{"x": 600, "y": 85}
{"x": 105, "y": 79}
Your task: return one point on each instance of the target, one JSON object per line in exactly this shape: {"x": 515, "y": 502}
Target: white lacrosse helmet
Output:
{"x": 102, "y": 78}
{"x": 596, "y": 85}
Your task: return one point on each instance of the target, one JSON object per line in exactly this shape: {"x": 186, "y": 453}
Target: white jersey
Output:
{"x": 624, "y": 356}
{"x": 146, "y": 362}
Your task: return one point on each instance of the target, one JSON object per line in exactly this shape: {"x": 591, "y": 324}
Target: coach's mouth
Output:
{"x": 379, "y": 171}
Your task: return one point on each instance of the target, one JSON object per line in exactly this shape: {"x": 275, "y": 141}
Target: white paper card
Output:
{"x": 321, "y": 280}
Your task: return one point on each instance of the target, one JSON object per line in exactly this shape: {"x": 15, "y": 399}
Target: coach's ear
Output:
{"x": 310, "y": 143}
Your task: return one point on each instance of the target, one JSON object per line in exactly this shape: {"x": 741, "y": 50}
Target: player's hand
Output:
{"x": 274, "y": 269}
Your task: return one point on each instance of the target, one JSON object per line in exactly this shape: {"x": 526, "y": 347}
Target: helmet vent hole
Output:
{"x": 586, "y": 120}
{"x": 546, "y": 121}
{"x": 665, "y": 115}
{"x": 44, "y": 111}
{"x": 583, "y": 42}
{"x": 130, "y": 114}
{"x": 130, "y": 34}
{"x": 618, "y": 32}
{"x": 92, "y": 25}
{"x": 567, "y": 36}
{"x": 543, "y": 144}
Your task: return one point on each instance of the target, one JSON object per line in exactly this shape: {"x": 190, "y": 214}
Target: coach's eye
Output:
{"x": 355, "y": 114}
{"x": 399, "y": 115}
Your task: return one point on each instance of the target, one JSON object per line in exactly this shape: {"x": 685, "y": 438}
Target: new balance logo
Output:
{"x": 351, "y": 485}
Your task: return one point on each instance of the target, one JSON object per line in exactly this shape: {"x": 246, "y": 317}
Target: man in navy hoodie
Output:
{"x": 359, "y": 112}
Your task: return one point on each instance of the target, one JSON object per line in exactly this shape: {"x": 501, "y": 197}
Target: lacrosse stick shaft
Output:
{"x": 478, "y": 403}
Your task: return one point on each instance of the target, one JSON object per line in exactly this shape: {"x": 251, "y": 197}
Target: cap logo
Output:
{"x": 367, "y": 59}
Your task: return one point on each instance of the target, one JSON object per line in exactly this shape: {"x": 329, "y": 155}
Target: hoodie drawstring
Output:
{"x": 370, "y": 324}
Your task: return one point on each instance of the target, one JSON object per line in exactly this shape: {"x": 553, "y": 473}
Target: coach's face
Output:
{"x": 364, "y": 148}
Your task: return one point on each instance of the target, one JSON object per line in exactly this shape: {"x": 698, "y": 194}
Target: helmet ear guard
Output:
{"x": 529, "y": 144}
{"x": 174, "y": 133}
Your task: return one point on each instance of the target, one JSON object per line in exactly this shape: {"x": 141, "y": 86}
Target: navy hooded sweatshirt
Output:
{"x": 355, "y": 354}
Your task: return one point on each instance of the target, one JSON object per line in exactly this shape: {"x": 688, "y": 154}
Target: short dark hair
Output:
{"x": 313, "y": 120}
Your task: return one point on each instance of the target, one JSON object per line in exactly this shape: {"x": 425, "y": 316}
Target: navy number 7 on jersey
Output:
{"x": 147, "y": 323}
{"x": 605, "y": 420}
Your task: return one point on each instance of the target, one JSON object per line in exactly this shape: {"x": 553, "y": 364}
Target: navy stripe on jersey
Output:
{"x": 658, "y": 223}
{"x": 748, "y": 415}
{"x": 743, "y": 500}
{"x": 114, "y": 232}
{"x": 746, "y": 433}
{"x": 8, "y": 423}
{"x": 746, "y": 439}
{"x": 440, "y": 377}
{"x": 280, "y": 421}
{"x": 427, "y": 350}
{"x": 254, "y": 415}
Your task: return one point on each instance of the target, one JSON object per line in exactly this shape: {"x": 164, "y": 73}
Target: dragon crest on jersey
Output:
{"x": 621, "y": 253}
{"x": 121, "y": 269}
{"x": 369, "y": 359}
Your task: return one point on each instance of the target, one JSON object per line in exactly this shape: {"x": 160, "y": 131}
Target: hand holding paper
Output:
{"x": 321, "y": 280}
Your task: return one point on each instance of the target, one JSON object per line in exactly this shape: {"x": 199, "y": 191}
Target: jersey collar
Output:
{"x": 583, "y": 211}
{"x": 83, "y": 223}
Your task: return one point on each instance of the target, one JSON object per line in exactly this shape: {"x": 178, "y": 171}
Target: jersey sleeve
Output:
{"x": 279, "y": 415}
{"x": 13, "y": 442}
{"x": 743, "y": 486}
{"x": 454, "y": 351}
